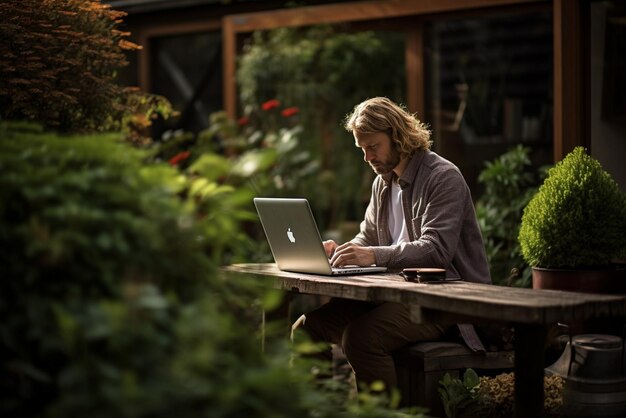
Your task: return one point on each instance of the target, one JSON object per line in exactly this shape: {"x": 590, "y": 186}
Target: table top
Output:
{"x": 448, "y": 302}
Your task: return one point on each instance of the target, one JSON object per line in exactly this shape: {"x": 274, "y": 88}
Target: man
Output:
{"x": 420, "y": 215}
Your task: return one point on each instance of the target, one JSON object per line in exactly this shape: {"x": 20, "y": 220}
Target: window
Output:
{"x": 187, "y": 69}
{"x": 488, "y": 83}
{"x": 607, "y": 85}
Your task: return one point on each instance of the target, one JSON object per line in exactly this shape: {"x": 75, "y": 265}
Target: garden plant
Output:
{"x": 577, "y": 218}
{"x": 59, "y": 67}
{"x": 493, "y": 397}
{"x": 509, "y": 185}
{"x": 258, "y": 155}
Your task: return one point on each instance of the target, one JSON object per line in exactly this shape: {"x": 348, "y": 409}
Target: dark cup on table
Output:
{"x": 424, "y": 274}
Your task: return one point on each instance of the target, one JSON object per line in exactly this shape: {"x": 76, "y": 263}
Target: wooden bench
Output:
{"x": 421, "y": 366}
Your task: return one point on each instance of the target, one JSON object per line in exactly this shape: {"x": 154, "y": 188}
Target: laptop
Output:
{"x": 294, "y": 239}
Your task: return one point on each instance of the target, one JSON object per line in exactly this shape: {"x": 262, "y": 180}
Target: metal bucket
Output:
{"x": 594, "y": 399}
{"x": 592, "y": 366}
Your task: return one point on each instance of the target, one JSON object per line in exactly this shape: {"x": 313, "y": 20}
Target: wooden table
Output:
{"x": 530, "y": 312}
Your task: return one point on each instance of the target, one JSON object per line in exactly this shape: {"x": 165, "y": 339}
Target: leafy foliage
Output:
{"x": 313, "y": 65}
{"x": 232, "y": 162}
{"x": 492, "y": 397}
{"x": 509, "y": 186}
{"x": 59, "y": 64}
{"x": 95, "y": 259}
{"x": 577, "y": 218}
{"x": 459, "y": 396}
{"x": 497, "y": 396}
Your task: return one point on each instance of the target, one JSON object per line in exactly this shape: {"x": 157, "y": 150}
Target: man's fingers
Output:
{"x": 344, "y": 246}
{"x": 339, "y": 260}
{"x": 352, "y": 254}
{"x": 343, "y": 256}
{"x": 336, "y": 258}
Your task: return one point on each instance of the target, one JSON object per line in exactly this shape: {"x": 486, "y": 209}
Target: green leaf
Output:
{"x": 470, "y": 379}
{"x": 377, "y": 386}
{"x": 254, "y": 161}
{"x": 210, "y": 166}
{"x": 272, "y": 299}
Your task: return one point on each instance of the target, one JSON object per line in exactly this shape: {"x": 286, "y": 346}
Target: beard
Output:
{"x": 387, "y": 165}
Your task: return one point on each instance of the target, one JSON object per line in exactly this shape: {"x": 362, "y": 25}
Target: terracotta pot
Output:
{"x": 610, "y": 280}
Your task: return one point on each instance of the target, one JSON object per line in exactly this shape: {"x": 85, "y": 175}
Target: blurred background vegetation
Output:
{"x": 110, "y": 299}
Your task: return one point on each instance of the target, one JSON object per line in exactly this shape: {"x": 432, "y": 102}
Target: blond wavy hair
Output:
{"x": 380, "y": 114}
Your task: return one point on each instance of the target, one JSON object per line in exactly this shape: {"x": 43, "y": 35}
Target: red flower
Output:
{"x": 289, "y": 111}
{"x": 243, "y": 121}
{"x": 181, "y": 156}
{"x": 270, "y": 104}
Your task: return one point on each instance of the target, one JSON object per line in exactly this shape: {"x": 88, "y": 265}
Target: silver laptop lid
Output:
{"x": 294, "y": 239}
{"x": 292, "y": 235}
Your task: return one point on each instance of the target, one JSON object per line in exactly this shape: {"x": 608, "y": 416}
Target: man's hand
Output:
{"x": 352, "y": 254}
{"x": 329, "y": 247}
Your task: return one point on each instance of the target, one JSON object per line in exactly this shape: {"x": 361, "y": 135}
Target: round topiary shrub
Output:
{"x": 577, "y": 219}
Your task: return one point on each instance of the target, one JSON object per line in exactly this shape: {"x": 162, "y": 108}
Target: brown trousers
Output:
{"x": 369, "y": 333}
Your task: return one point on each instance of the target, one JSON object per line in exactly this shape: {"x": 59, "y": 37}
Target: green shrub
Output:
{"x": 577, "y": 218}
{"x": 459, "y": 397}
{"x": 97, "y": 253}
{"x": 493, "y": 397}
{"x": 509, "y": 186}
{"x": 60, "y": 60}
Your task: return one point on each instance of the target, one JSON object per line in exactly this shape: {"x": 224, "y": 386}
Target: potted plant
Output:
{"x": 573, "y": 230}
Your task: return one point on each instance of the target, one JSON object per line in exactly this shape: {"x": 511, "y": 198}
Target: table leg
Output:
{"x": 529, "y": 358}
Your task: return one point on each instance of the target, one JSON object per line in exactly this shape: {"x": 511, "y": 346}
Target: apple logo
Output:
{"x": 290, "y": 236}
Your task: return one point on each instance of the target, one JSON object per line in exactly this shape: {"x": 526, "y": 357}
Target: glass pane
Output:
{"x": 187, "y": 69}
{"x": 608, "y": 86}
{"x": 489, "y": 87}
